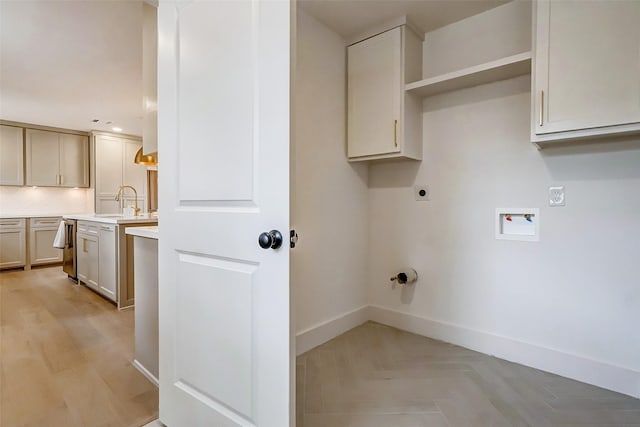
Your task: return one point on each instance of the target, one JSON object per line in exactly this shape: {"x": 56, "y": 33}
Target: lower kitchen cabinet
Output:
{"x": 88, "y": 257}
{"x": 42, "y": 233}
{"x": 97, "y": 257}
{"x": 12, "y": 243}
{"x": 107, "y": 265}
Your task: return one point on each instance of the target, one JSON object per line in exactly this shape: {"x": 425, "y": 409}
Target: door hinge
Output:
{"x": 293, "y": 238}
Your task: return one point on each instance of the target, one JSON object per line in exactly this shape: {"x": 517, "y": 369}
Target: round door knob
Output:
{"x": 270, "y": 239}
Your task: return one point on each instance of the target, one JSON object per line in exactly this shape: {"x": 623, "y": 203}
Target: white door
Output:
{"x": 223, "y": 140}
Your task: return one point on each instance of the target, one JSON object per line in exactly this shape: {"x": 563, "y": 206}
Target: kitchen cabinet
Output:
{"x": 114, "y": 167}
{"x": 11, "y": 155}
{"x": 97, "y": 256}
{"x": 107, "y": 265}
{"x": 87, "y": 253}
{"x": 384, "y": 121}
{"x": 587, "y": 63}
{"x": 42, "y": 232}
{"x": 12, "y": 243}
{"x": 149, "y": 78}
{"x": 56, "y": 159}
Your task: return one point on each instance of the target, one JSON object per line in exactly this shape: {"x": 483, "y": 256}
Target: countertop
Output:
{"x": 150, "y": 232}
{"x": 114, "y": 219}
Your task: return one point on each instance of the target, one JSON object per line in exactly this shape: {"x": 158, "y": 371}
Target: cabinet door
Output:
{"x": 82, "y": 257}
{"x": 108, "y": 164}
{"x": 374, "y": 94}
{"x": 41, "y": 248}
{"x": 11, "y": 155}
{"x": 74, "y": 160}
{"x": 108, "y": 261}
{"x": 87, "y": 253}
{"x": 12, "y": 248}
{"x": 43, "y": 158}
{"x": 587, "y": 65}
{"x": 93, "y": 250}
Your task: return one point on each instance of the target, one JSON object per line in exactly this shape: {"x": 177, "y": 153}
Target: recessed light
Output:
{"x": 116, "y": 129}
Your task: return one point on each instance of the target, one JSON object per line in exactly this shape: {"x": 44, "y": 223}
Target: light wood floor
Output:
{"x": 65, "y": 356}
{"x": 377, "y": 376}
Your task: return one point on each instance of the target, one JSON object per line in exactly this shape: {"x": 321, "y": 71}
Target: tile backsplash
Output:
{"x": 45, "y": 200}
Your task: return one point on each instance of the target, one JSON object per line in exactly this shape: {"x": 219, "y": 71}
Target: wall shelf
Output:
{"x": 501, "y": 69}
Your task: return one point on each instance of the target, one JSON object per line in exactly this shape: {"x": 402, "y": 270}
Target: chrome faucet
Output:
{"x": 135, "y": 199}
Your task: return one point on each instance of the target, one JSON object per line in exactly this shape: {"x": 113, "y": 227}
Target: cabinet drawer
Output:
{"x": 87, "y": 227}
{"x": 12, "y": 223}
{"x": 45, "y": 222}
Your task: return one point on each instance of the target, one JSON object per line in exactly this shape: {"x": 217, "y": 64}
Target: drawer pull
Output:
{"x": 541, "y": 118}
{"x": 395, "y": 133}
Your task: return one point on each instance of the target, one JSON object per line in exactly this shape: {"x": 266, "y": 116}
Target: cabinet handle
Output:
{"x": 541, "y": 118}
{"x": 395, "y": 133}
{"x": 84, "y": 245}
{"x": 61, "y": 180}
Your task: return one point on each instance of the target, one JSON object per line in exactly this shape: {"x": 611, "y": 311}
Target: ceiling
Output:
{"x": 352, "y": 17}
{"x": 64, "y": 63}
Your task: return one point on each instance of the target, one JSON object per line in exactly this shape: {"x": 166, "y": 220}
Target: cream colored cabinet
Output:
{"x": 383, "y": 121}
{"x": 42, "y": 232}
{"x": 96, "y": 248}
{"x": 11, "y": 155}
{"x": 56, "y": 159}
{"x": 12, "y": 243}
{"x": 587, "y": 69}
{"x": 88, "y": 255}
{"x": 149, "y": 78}
{"x": 114, "y": 167}
{"x": 107, "y": 265}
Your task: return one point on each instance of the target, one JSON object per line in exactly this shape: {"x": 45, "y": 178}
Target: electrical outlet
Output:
{"x": 556, "y": 196}
{"x": 421, "y": 192}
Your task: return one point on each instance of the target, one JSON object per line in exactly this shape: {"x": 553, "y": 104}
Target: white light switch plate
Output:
{"x": 556, "y": 196}
{"x": 421, "y": 192}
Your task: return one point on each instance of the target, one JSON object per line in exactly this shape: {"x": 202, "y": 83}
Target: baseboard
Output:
{"x": 580, "y": 368}
{"x": 329, "y": 329}
{"x": 144, "y": 371}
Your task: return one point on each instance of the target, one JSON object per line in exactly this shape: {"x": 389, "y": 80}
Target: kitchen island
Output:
{"x": 145, "y": 248}
{"x": 105, "y": 254}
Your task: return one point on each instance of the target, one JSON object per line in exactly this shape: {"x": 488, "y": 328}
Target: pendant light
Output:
{"x": 146, "y": 159}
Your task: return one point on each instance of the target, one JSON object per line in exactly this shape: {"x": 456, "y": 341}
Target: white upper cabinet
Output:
{"x": 149, "y": 78}
{"x": 587, "y": 69}
{"x": 114, "y": 167}
{"x": 11, "y": 155}
{"x": 56, "y": 159}
{"x": 383, "y": 120}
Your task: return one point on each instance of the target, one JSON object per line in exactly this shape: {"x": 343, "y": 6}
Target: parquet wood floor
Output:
{"x": 65, "y": 356}
{"x": 377, "y": 376}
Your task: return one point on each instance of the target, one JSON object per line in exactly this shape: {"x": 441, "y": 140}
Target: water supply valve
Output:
{"x": 405, "y": 277}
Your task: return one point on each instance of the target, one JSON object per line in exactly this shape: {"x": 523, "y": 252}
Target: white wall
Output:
{"x": 329, "y": 195}
{"x": 44, "y": 201}
{"x": 568, "y": 303}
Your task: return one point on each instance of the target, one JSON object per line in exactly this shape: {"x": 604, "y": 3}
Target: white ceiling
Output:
{"x": 352, "y": 17}
{"x": 64, "y": 63}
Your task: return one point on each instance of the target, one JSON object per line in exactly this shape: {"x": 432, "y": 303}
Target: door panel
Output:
{"x": 43, "y": 158}
{"x": 74, "y": 160}
{"x": 223, "y": 129}
{"x": 11, "y": 155}
{"x": 225, "y": 320}
{"x": 108, "y": 166}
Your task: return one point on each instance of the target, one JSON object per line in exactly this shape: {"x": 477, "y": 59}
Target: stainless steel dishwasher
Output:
{"x": 69, "y": 257}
